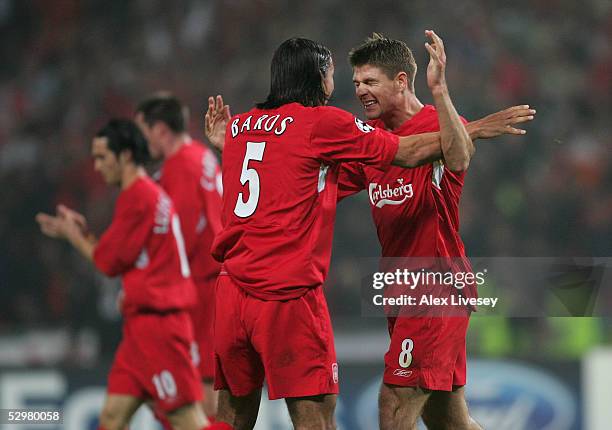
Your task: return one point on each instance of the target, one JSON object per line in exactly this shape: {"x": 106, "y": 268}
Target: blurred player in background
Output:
{"x": 145, "y": 246}
{"x": 280, "y": 172}
{"x": 425, "y": 366}
{"x": 191, "y": 176}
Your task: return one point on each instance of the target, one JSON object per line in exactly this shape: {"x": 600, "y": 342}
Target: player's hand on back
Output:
{"x": 215, "y": 121}
{"x": 436, "y": 69}
{"x": 501, "y": 122}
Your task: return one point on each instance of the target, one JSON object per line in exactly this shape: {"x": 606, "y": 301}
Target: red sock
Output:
{"x": 219, "y": 426}
{"x": 161, "y": 418}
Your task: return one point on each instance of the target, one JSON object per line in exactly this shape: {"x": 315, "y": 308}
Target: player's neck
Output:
{"x": 131, "y": 174}
{"x": 175, "y": 144}
{"x": 410, "y": 107}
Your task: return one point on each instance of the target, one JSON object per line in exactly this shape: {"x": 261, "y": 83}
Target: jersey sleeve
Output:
{"x": 212, "y": 191}
{"x": 351, "y": 179}
{"x": 337, "y": 136}
{"x": 121, "y": 244}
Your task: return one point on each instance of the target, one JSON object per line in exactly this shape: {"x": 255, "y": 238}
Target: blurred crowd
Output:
{"x": 69, "y": 65}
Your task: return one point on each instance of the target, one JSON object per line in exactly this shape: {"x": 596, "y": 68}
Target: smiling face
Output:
{"x": 379, "y": 95}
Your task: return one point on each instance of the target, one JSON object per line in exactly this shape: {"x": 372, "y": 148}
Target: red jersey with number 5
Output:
{"x": 145, "y": 246}
{"x": 280, "y": 173}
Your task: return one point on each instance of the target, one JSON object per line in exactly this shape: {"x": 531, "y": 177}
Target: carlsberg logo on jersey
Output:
{"x": 380, "y": 196}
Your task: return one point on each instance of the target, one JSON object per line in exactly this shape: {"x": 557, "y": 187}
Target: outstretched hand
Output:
{"x": 436, "y": 69}
{"x": 215, "y": 121}
{"x": 65, "y": 224}
{"x": 501, "y": 122}
{"x": 66, "y": 212}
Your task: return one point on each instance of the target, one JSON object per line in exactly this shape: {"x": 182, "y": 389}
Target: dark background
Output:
{"x": 70, "y": 65}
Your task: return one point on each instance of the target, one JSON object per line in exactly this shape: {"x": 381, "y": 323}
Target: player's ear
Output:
{"x": 401, "y": 80}
{"x": 125, "y": 156}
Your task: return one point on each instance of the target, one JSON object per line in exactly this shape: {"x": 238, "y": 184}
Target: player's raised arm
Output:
{"x": 215, "y": 121}
{"x": 457, "y": 147}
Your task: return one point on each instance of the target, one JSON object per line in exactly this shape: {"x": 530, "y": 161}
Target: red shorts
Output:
{"x": 203, "y": 318}
{"x": 154, "y": 362}
{"x": 290, "y": 342}
{"x": 427, "y": 352}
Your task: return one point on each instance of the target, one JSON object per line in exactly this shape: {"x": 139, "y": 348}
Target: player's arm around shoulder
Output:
{"x": 418, "y": 149}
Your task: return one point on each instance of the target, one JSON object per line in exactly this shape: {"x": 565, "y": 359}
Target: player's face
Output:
{"x": 328, "y": 81}
{"x": 153, "y": 141}
{"x": 105, "y": 161}
{"x": 378, "y": 94}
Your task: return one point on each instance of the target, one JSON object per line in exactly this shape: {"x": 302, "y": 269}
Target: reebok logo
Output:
{"x": 402, "y": 372}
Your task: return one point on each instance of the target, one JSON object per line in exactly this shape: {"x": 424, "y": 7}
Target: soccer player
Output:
{"x": 425, "y": 366}
{"x": 280, "y": 170}
{"x": 191, "y": 177}
{"x": 144, "y": 245}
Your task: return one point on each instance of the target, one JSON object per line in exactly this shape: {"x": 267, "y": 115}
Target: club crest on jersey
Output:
{"x": 397, "y": 195}
{"x": 363, "y": 126}
{"x": 335, "y": 372}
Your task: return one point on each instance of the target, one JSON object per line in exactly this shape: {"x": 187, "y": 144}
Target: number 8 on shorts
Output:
{"x": 405, "y": 357}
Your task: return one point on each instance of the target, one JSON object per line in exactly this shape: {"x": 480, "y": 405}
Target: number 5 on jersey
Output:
{"x": 255, "y": 152}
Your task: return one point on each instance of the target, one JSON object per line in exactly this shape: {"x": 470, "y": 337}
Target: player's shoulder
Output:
{"x": 429, "y": 114}
{"x": 332, "y": 116}
{"x": 186, "y": 159}
{"x": 332, "y": 112}
{"x": 194, "y": 150}
{"x": 140, "y": 195}
{"x": 330, "y": 109}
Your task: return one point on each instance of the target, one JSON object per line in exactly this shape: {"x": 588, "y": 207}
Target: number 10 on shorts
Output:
{"x": 405, "y": 357}
{"x": 165, "y": 385}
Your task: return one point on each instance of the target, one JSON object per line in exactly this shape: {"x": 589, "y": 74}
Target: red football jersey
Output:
{"x": 192, "y": 179}
{"x": 144, "y": 245}
{"x": 280, "y": 173}
{"x": 416, "y": 211}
